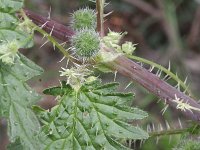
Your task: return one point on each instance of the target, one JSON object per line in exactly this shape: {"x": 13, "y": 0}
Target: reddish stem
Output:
{"x": 155, "y": 85}
{"x": 58, "y": 30}
{"x": 128, "y": 68}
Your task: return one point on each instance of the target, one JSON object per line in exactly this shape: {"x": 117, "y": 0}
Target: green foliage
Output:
{"x": 93, "y": 118}
{"x": 188, "y": 144}
{"x": 89, "y": 115}
{"x": 165, "y": 142}
{"x": 10, "y": 6}
{"x": 16, "y": 146}
{"x": 83, "y": 19}
{"x": 16, "y": 96}
{"x": 12, "y": 36}
{"x": 86, "y": 43}
{"x": 195, "y": 129}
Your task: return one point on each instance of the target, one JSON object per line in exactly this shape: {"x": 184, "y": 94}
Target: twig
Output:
{"x": 134, "y": 71}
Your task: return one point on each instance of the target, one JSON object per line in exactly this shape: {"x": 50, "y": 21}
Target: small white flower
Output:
{"x": 76, "y": 76}
{"x": 183, "y": 106}
{"x": 112, "y": 39}
{"x": 128, "y": 48}
{"x": 8, "y": 52}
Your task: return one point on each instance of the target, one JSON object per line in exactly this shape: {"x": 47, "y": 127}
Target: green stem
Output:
{"x": 168, "y": 72}
{"x": 100, "y": 13}
{"x": 168, "y": 132}
{"x": 52, "y": 40}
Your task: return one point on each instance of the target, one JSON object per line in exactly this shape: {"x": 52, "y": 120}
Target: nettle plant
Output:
{"x": 89, "y": 114}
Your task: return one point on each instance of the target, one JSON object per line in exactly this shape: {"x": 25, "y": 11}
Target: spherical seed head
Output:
{"x": 84, "y": 18}
{"x": 86, "y": 43}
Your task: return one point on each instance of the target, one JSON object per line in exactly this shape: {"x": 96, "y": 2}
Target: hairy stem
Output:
{"x": 155, "y": 85}
{"x": 167, "y": 71}
{"x": 52, "y": 40}
{"x": 59, "y": 31}
{"x": 168, "y": 132}
{"x": 130, "y": 69}
{"x": 49, "y": 37}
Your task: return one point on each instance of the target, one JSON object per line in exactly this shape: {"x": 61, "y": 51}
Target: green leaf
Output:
{"x": 58, "y": 91}
{"x": 7, "y": 21}
{"x": 195, "y": 129}
{"x": 16, "y": 98}
{"x": 94, "y": 118}
{"x": 8, "y": 35}
{"x": 10, "y": 6}
{"x": 10, "y": 29}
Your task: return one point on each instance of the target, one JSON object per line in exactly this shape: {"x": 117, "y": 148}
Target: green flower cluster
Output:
{"x": 86, "y": 41}
{"x": 83, "y": 18}
{"x": 8, "y": 52}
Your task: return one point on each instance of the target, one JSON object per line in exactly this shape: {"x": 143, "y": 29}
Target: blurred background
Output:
{"x": 164, "y": 30}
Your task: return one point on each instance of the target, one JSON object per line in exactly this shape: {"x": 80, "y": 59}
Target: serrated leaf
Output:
{"x": 16, "y": 97}
{"x": 58, "y": 91}
{"x": 90, "y": 119}
{"x": 24, "y": 40}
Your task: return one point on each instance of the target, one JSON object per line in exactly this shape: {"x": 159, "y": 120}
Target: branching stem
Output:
{"x": 132, "y": 70}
